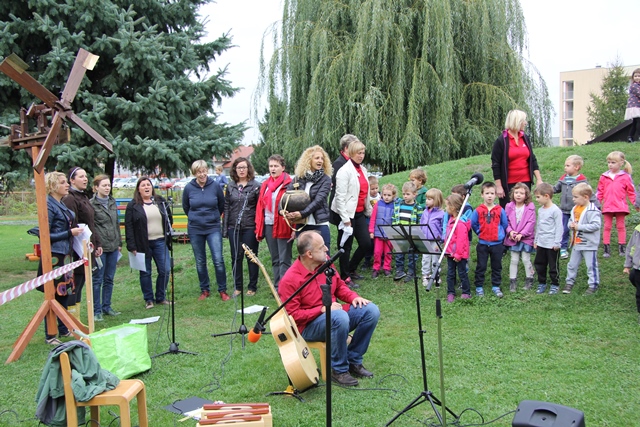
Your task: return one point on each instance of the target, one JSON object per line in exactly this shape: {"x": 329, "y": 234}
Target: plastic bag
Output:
{"x": 123, "y": 350}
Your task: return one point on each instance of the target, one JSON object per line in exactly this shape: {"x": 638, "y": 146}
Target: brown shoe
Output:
{"x": 203, "y": 295}
{"x": 148, "y": 304}
{"x": 359, "y": 371}
{"x": 343, "y": 378}
{"x": 224, "y": 296}
{"x": 250, "y": 293}
{"x": 236, "y": 292}
{"x": 164, "y": 302}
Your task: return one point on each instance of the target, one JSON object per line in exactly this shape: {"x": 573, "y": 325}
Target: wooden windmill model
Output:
{"x": 40, "y": 144}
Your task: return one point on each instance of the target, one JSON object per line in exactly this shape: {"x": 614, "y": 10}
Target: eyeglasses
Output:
{"x": 241, "y": 168}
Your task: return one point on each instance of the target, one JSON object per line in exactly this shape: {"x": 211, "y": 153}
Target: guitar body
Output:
{"x": 296, "y": 357}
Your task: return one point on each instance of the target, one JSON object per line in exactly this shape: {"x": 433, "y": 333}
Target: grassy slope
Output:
{"x": 568, "y": 349}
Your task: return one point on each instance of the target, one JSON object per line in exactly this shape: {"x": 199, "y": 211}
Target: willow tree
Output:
{"x": 418, "y": 81}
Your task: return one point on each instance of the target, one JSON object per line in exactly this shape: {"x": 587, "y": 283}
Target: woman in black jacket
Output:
{"x": 239, "y": 224}
{"x": 147, "y": 223}
{"x": 313, "y": 174}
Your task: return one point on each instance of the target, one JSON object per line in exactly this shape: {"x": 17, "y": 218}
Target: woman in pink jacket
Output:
{"x": 614, "y": 187}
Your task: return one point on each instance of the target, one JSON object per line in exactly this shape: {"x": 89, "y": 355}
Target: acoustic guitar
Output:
{"x": 296, "y": 357}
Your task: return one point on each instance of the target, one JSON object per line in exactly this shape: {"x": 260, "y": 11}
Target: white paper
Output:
{"x": 145, "y": 321}
{"x": 252, "y": 309}
{"x": 77, "y": 240}
{"x": 119, "y": 256}
{"x": 137, "y": 261}
{"x": 346, "y": 233}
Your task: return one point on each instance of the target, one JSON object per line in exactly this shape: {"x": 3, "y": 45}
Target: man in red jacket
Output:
{"x": 306, "y": 308}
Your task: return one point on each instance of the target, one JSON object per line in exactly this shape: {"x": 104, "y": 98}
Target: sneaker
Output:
{"x": 451, "y": 297}
{"x": 542, "y": 287}
{"x": 496, "y": 290}
{"x": 400, "y": 275}
{"x": 204, "y": 295}
{"x": 52, "y": 341}
{"x": 425, "y": 280}
{"x": 513, "y": 285}
{"x": 554, "y": 289}
{"x": 466, "y": 296}
{"x": 148, "y": 305}
{"x": 224, "y": 296}
{"x": 591, "y": 290}
{"x": 564, "y": 254}
{"x": 111, "y": 312}
{"x": 374, "y": 274}
{"x": 387, "y": 273}
{"x": 164, "y": 302}
{"x": 567, "y": 288}
{"x": 528, "y": 283}
{"x": 251, "y": 293}
{"x": 355, "y": 276}
{"x": 97, "y": 317}
{"x": 236, "y": 292}
{"x": 408, "y": 278}
{"x": 343, "y": 378}
{"x": 360, "y": 371}
{"x": 351, "y": 284}
{"x": 479, "y": 291}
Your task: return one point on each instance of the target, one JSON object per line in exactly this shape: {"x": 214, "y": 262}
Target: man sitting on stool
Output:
{"x": 306, "y": 308}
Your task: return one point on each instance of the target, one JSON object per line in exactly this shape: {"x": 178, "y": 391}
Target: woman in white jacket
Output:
{"x": 351, "y": 203}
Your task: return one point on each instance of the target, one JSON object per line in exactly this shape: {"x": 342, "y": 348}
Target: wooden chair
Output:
{"x": 321, "y": 346}
{"x": 121, "y": 396}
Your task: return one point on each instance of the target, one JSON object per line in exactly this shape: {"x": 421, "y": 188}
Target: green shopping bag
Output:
{"x": 123, "y": 349}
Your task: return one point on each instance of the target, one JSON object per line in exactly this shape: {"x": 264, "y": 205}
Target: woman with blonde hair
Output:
{"x": 313, "y": 174}
{"x": 512, "y": 158}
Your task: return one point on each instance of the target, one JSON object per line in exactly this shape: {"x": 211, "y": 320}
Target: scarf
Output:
{"x": 313, "y": 176}
{"x": 272, "y": 185}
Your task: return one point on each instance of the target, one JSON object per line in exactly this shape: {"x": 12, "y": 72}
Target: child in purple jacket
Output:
{"x": 431, "y": 222}
{"x": 521, "y": 215}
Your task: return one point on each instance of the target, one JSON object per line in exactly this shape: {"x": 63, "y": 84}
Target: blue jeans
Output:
{"x": 461, "y": 268}
{"x": 362, "y": 320}
{"x": 565, "y": 231}
{"x": 103, "y": 281}
{"x": 214, "y": 240}
{"x": 160, "y": 254}
{"x": 411, "y": 261}
{"x": 236, "y": 239}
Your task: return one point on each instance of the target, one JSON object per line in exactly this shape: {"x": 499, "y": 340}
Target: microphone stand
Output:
{"x": 236, "y": 236}
{"x": 173, "y": 347}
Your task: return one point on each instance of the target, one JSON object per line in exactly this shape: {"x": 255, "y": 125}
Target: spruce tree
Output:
{"x": 607, "y": 110}
{"x": 151, "y": 93}
{"x": 417, "y": 82}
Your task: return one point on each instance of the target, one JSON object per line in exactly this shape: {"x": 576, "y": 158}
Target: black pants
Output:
{"x": 236, "y": 238}
{"x": 547, "y": 258}
{"x": 360, "y": 224}
{"x": 484, "y": 253}
{"x": 634, "y": 278}
{"x": 633, "y": 128}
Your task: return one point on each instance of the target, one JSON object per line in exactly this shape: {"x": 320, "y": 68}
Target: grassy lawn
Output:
{"x": 574, "y": 350}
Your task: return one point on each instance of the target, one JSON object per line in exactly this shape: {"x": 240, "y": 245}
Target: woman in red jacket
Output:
{"x": 270, "y": 225}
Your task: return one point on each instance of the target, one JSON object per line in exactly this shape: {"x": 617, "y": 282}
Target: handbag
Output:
{"x": 295, "y": 200}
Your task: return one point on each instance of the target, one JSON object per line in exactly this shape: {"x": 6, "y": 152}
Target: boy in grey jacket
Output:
{"x": 632, "y": 263}
{"x": 584, "y": 226}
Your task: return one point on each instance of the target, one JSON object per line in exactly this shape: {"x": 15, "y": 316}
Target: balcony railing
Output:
{"x": 567, "y": 134}
{"x": 567, "y": 115}
{"x": 567, "y": 94}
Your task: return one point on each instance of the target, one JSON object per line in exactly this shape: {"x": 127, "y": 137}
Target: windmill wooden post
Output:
{"x": 40, "y": 145}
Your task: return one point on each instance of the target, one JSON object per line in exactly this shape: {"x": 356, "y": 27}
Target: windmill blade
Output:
{"x": 90, "y": 131}
{"x": 84, "y": 61}
{"x": 15, "y": 68}
{"x": 56, "y": 124}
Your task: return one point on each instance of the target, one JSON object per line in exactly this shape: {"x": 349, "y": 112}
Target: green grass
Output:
{"x": 575, "y": 350}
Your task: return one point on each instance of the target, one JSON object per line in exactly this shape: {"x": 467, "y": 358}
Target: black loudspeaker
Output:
{"x": 532, "y": 413}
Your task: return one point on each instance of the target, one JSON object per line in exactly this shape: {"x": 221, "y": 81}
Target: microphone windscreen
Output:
{"x": 253, "y": 337}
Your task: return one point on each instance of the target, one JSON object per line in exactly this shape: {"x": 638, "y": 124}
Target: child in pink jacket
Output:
{"x": 614, "y": 187}
{"x": 521, "y": 215}
{"x": 458, "y": 249}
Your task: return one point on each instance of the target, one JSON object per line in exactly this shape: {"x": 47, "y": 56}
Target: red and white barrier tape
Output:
{"x": 15, "y": 292}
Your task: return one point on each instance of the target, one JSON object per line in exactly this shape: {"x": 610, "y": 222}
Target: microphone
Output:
{"x": 331, "y": 260}
{"x": 255, "y": 333}
{"x": 476, "y": 179}
{"x": 153, "y": 200}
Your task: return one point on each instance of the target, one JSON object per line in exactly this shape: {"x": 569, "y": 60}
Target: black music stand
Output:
{"x": 410, "y": 239}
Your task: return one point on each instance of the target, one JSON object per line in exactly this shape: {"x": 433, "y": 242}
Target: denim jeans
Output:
{"x": 103, "y": 282}
{"x": 236, "y": 239}
{"x": 159, "y": 252}
{"x": 363, "y": 320}
{"x": 411, "y": 263}
{"x": 461, "y": 268}
{"x": 565, "y": 230}
{"x": 214, "y": 240}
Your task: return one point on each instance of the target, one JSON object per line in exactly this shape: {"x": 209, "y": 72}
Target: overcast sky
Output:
{"x": 564, "y": 35}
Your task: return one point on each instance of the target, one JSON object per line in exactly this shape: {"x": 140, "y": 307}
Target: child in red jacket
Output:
{"x": 614, "y": 187}
{"x": 458, "y": 249}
